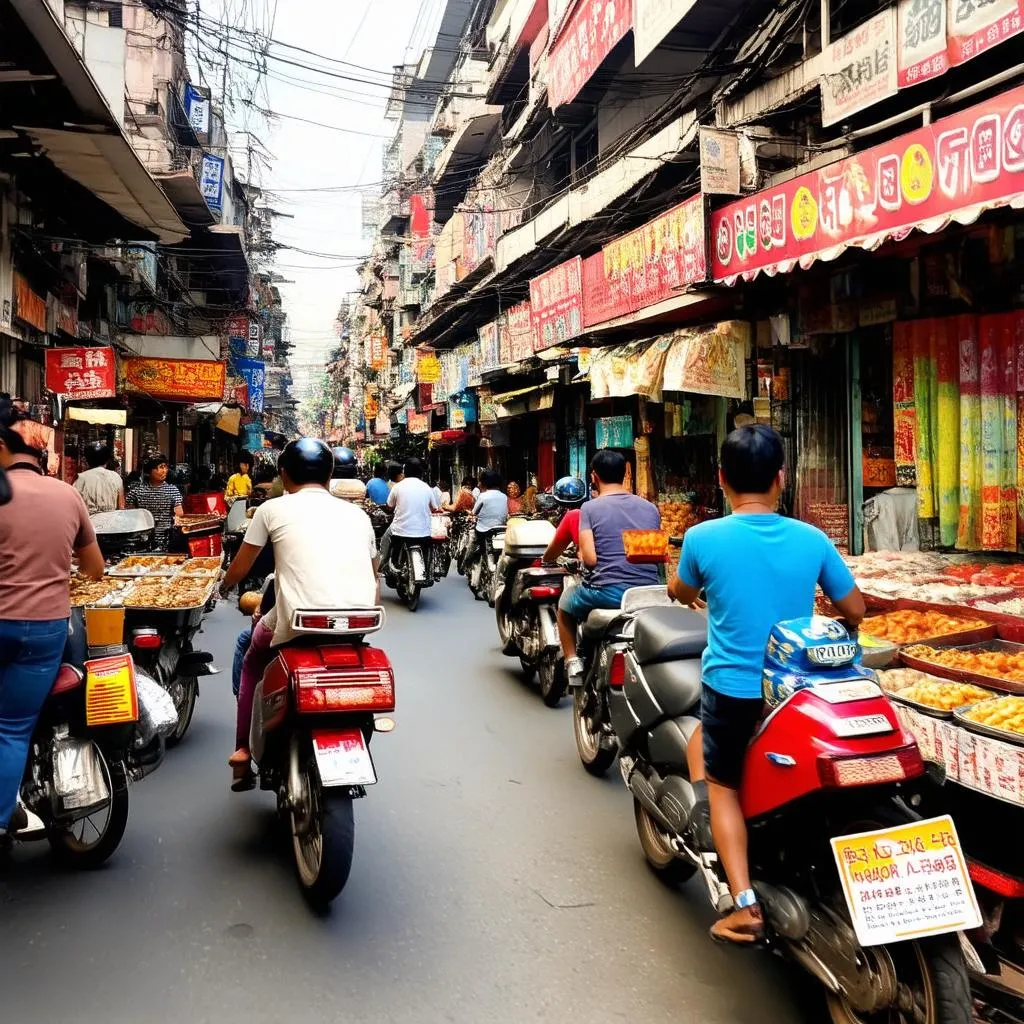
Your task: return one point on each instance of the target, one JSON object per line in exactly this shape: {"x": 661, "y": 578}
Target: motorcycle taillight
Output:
{"x": 870, "y": 769}
{"x": 617, "y": 671}
{"x": 368, "y": 686}
{"x": 543, "y": 593}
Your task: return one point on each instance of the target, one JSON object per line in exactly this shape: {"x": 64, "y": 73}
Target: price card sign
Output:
{"x": 906, "y": 882}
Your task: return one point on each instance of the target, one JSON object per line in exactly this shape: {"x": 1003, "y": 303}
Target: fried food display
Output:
{"x": 139, "y": 564}
{"x": 943, "y": 695}
{"x": 645, "y": 543}
{"x": 202, "y": 563}
{"x": 893, "y": 679}
{"x": 178, "y": 592}
{"x": 85, "y": 591}
{"x": 1006, "y": 713}
{"x": 998, "y": 664}
{"x": 908, "y": 627}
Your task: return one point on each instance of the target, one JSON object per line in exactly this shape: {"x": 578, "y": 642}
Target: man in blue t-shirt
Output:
{"x": 755, "y": 569}
{"x": 608, "y": 575}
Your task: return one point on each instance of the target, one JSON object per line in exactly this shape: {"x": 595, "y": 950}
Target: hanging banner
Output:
{"x": 254, "y": 373}
{"x": 81, "y": 374}
{"x": 428, "y": 368}
{"x": 921, "y": 35}
{"x": 252, "y": 349}
{"x": 197, "y": 110}
{"x": 378, "y": 352}
{"x": 613, "y": 432}
{"x": 419, "y": 422}
{"x": 27, "y": 305}
{"x": 653, "y": 263}
{"x": 860, "y": 69}
{"x": 709, "y": 361}
{"x": 211, "y": 180}
{"x": 719, "y": 162}
{"x": 975, "y": 26}
{"x": 593, "y": 30}
{"x": 556, "y": 304}
{"x": 237, "y": 326}
{"x": 489, "y": 347}
{"x": 180, "y": 380}
{"x": 635, "y": 368}
{"x": 954, "y": 169}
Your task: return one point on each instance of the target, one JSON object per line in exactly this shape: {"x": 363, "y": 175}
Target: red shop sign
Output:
{"x": 954, "y": 169}
{"x": 237, "y": 326}
{"x": 648, "y": 265}
{"x": 181, "y": 380}
{"x": 593, "y": 30}
{"x": 556, "y": 304}
{"x": 81, "y": 374}
{"x": 515, "y": 335}
{"x": 27, "y": 305}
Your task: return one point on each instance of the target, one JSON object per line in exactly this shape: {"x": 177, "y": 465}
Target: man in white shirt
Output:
{"x": 101, "y": 489}
{"x": 413, "y": 500}
{"x": 491, "y": 508}
{"x": 325, "y": 556}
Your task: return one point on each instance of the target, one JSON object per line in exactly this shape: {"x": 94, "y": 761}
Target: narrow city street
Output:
{"x": 494, "y": 880}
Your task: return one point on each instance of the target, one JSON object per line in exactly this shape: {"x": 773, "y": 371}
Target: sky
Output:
{"x": 375, "y": 34}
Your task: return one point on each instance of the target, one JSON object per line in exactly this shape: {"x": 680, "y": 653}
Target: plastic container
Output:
{"x": 528, "y": 538}
{"x": 104, "y": 627}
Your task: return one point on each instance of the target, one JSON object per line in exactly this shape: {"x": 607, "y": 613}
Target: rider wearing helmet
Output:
{"x": 346, "y": 485}
{"x": 100, "y": 488}
{"x": 570, "y": 493}
{"x": 325, "y": 555}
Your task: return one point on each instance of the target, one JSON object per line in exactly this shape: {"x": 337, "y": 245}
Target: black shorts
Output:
{"x": 729, "y": 725}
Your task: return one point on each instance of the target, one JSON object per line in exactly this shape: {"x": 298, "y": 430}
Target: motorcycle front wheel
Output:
{"x": 596, "y": 752}
{"x": 90, "y": 841}
{"x": 323, "y": 838}
{"x": 932, "y": 977}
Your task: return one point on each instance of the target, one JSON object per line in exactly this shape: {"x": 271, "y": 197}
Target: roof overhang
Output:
{"x": 184, "y": 192}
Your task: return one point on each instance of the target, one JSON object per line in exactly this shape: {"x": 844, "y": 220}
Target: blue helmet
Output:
{"x": 570, "y": 490}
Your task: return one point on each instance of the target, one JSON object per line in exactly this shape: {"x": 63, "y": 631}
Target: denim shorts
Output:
{"x": 729, "y": 726}
{"x": 580, "y": 601}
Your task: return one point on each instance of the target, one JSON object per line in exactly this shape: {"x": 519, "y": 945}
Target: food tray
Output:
{"x": 206, "y": 595}
{"x": 959, "y": 716}
{"x": 198, "y": 524}
{"x": 974, "y": 635}
{"x": 994, "y": 682}
{"x": 113, "y": 590}
{"x": 925, "y": 709}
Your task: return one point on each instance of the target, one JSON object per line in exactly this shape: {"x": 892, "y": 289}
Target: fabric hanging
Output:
{"x": 904, "y": 412}
{"x": 996, "y": 339}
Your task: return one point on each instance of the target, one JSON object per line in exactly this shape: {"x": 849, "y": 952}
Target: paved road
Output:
{"x": 494, "y": 880}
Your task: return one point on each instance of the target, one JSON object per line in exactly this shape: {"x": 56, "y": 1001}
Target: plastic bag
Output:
{"x": 78, "y": 779}
{"x": 438, "y": 527}
{"x": 157, "y": 713}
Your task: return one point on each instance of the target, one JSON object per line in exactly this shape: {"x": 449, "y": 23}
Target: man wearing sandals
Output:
{"x": 756, "y": 568}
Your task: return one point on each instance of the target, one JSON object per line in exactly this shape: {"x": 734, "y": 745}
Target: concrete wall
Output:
{"x": 206, "y": 347}
{"x": 104, "y": 50}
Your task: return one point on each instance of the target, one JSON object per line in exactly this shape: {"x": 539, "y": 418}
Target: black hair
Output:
{"x": 609, "y": 466}
{"x": 380, "y": 471}
{"x": 9, "y": 415}
{"x": 241, "y": 457}
{"x": 751, "y": 459}
{"x": 413, "y": 467}
{"x": 490, "y": 479}
{"x": 152, "y": 460}
{"x": 97, "y": 454}
{"x": 468, "y": 482}
{"x": 394, "y": 472}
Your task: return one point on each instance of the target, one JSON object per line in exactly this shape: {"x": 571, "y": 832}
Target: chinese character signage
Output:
{"x": 252, "y": 348}
{"x": 594, "y": 28}
{"x": 378, "y": 352}
{"x": 181, "y": 380}
{"x": 975, "y": 26}
{"x": 647, "y": 266}
{"x": 27, "y": 305}
{"x": 860, "y": 68}
{"x": 971, "y": 159}
{"x": 515, "y": 335}
{"x": 254, "y": 374}
{"x": 922, "y": 40}
{"x": 211, "y": 180}
{"x": 556, "y": 304}
{"x": 81, "y": 374}
{"x": 197, "y": 110}
{"x": 428, "y": 368}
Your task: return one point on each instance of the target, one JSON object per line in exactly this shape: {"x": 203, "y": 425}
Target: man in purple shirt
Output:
{"x": 608, "y": 575}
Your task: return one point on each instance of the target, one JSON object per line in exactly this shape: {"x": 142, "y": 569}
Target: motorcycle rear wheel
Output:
{"x": 658, "y": 852}
{"x": 324, "y": 846}
{"x": 595, "y": 752}
{"x": 940, "y": 989}
{"x": 183, "y": 692}
{"x": 552, "y": 680}
{"x": 87, "y": 844}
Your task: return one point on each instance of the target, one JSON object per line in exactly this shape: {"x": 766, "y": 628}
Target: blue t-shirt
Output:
{"x": 607, "y": 517}
{"x": 756, "y": 570}
{"x": 377, "y": 491}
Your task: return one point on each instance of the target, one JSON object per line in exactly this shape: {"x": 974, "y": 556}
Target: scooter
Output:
{"x": 410, "y": 568}
{"x": 314, "y": 712}
{"x": 482, "y": 562}
{"x": 526, "y": 597}
{"x": 826, "y": 790}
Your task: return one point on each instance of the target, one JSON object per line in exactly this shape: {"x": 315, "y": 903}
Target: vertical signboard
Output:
{"x": 594, "y": 28}
{"x": 860, "y": 69}
{"x": 556, "y": 304}
{"x": 922, "y": 40}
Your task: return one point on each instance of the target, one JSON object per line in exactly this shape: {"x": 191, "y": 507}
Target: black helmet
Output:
{"x": 306, "y": 461}
{"x": 571, "y": 491}
{"x": 344, "y": 464}
{"x": 545, "y": 504}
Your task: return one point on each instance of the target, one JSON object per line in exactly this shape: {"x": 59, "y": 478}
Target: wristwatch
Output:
{"x": 745, "y": 899}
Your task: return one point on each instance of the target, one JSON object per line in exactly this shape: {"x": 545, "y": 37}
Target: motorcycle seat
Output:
{"x": 598, "y": 621}
{"x": 668, "y": 634}
{"x": 675, "y": 685}
{"x": 69, "y": 677}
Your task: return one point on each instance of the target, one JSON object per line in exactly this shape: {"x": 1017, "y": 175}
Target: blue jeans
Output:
{"x": 30, "y": 654}
{"x": 582, "y": 600}
{"x": 241, "y": 646}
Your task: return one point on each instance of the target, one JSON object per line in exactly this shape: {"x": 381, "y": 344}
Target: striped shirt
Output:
{"x": 161, "y": 501}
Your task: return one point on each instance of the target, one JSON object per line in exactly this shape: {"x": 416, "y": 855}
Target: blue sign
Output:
{"x": 211, "y": 181}
{"x": 252, "y": 370}
{"x": 197, "y": 110}
{"x": 253, "y": 434}
{"x": 238, "y": 346}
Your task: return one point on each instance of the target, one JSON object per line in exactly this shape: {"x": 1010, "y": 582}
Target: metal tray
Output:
{"x": 1003, "y": 686}
{"x": 928, "y": 709}
{"x": 976, "y": 634}
{"x": 1016, "y": 738}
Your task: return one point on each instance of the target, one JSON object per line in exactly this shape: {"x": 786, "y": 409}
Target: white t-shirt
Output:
{"x": 100, "y": 488}
{"x": 323, "y": 555}
{"x": 491, "y": 510}
{"x": 412, "y": 499}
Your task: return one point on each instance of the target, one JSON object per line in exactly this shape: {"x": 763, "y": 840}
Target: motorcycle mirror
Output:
{"x": 5, "y": 488}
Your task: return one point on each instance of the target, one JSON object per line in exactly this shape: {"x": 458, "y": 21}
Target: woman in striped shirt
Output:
{"x": 162, "y": 499}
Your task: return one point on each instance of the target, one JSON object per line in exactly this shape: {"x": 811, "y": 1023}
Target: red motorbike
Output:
{"x": 855, "y": 886}
{"x": 314, "y": 712}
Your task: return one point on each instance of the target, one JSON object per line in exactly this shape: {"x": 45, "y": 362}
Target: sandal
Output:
{"x": 739, "y": 928}
{"x": 242, "y": 777}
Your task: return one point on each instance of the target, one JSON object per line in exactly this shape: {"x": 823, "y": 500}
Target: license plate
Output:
{"x": 862, "y": 725}
{"x": 906, "y": 882}
{"x": 844, "y": 692}
{"x": 832, "y": 654}
{"x": 110, "y": 695}
{"x": 343, "y": 758}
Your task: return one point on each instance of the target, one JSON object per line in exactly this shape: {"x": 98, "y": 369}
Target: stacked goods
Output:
{"x": 678, "y": 516}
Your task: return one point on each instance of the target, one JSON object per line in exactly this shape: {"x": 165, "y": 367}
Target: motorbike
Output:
{"x": 526, "y": 597}
{"x": 410, "y": 568}
{"x": 94, "y": 735}
{"x": 482, "y": 562}
{"x": 460, "y": 535}
{"x": 440, "y": 532}
{"x": 831, "y": 764}
{"x": 314, "y": 712}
